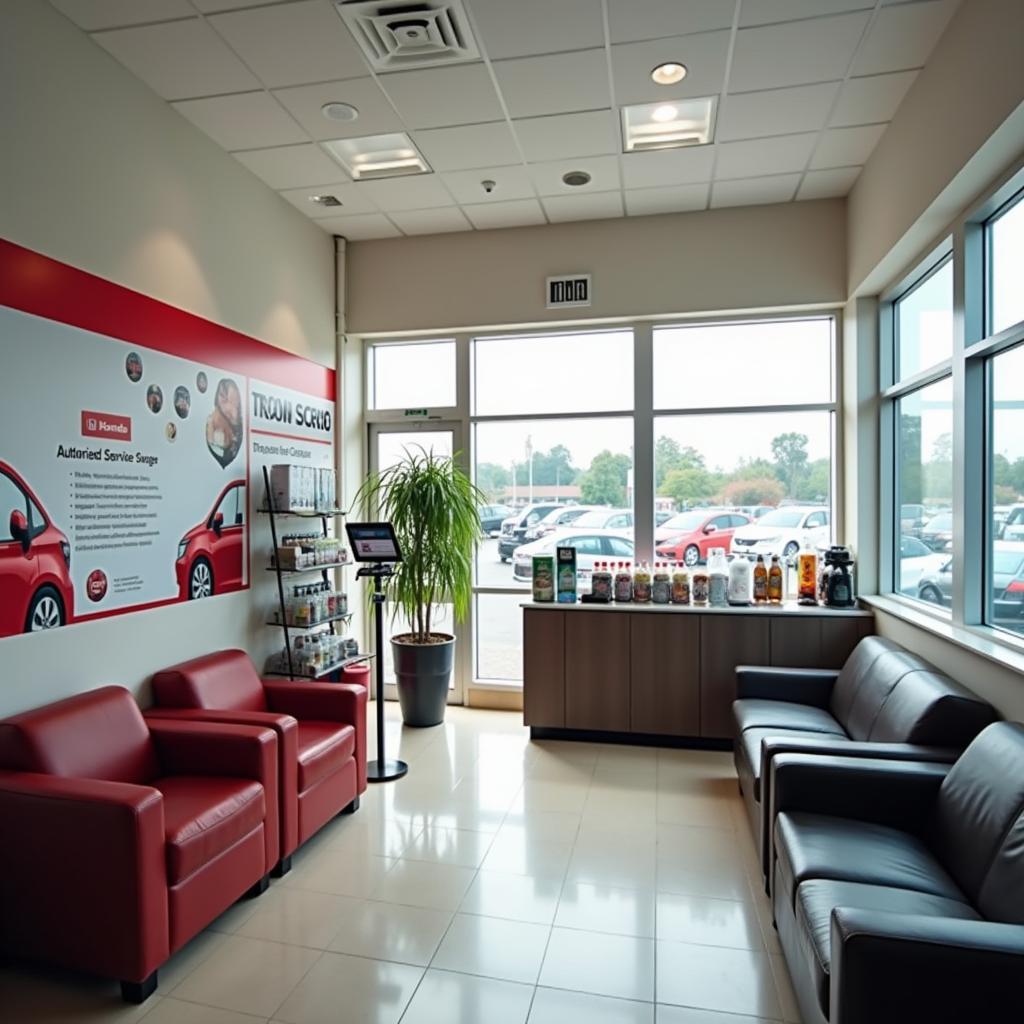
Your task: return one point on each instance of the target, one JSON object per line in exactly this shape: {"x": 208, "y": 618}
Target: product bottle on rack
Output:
{"x": 760, "y": 581}
{"x": 775, "y": 578}
{"x": 807, "y": 576}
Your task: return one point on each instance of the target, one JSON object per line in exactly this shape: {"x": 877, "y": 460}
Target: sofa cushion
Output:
{"x": 749, "y": 744}
{"x": 815, "y": 901}
{"x": 855, "y": 670}
{"x": 203, "y": 817}
{"x": 819, "y": 846}
{"x": 221, "y": 681}
{"x": 874, "y": 689}
{"x": 324, "y": 747}
{"x": 758, "y": 713}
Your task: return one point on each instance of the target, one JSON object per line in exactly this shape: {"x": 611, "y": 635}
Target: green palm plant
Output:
{"x": 433, "y": 507}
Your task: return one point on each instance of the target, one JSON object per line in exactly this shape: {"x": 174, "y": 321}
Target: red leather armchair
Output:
{"x": 124, "y": 838}
{"x": 321, "y": 732}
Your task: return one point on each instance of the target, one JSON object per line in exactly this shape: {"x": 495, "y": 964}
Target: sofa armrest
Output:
{"x": 797, "y": 685}
{"x": 83, "y": 878}
{"x": 892, "y": 968}
{"x": 325, "y": 702}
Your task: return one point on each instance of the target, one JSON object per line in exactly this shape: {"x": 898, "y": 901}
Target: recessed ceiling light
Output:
{"x": 378, "y": 156}
{"x": 325, "y": 200}
{"x": 668, "y": 73}
{"x": 339, "y": 111}
{"x": 576, "y": 178}
{"x": 668, "y": 125}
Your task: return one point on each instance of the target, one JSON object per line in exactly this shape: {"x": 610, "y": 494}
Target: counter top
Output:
{"x": 789, "y": 609}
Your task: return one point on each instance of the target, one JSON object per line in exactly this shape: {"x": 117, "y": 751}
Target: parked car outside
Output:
{"x": 784, "y": 531}
{"x": 912, "y": 520}
{"x": 662, "y": 516}
{"x": 564, "y": 515}
{"x": 606, "y": 519}
{"x": 1007, "y": 584}
{"x": 35, "y": 562}
{"x": 210, "y": 555}
{"x": 917, "y": 560}
{"x": 1013, "y": 526}
{"x": 689, "y": 536}
{"x": 513, "y": 529}
{"x": 754, "y": 511}
{"x": 937, "y": 533}
{"x": 592, "y": 545}
{"x": 491, "y": 518}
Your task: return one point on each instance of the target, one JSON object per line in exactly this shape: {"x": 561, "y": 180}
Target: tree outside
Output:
{"x": 605, "y": 482}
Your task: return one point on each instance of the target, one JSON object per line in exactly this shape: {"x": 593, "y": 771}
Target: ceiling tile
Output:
{"x": 431, "y": 222}
{"x": 558, "y": 84}
{"x": 704, "y": 57}
{"x": 847, "y": 147}
{"x": 776, "y": 188}
{"x": 758, "y": 157}
{"x": 603, "y": 171}
{"x": 872, "y": 100}
{"x": 178, "y": 59}
{"x": 561, "y": 135}
{"x": 213, "y": 6}
{"x": 376, "y": 115}
{"x": 828, "y": 184}
{"x": 595, "y": 206}
{"x": 352, "y": 199}
{"x": 291, "y": 166}
{"x": 667, "y": 199}
{"x": 668, "y": 167}
{"x": 511, "y": 182}
{"x": 765, "y": 12}
{"x": 903, "y": 36}
{"x": 517, "y": 213}
{"x": 528, "y": 27}
{"x": 411, "y": 192}
{"x": 245, "y": 121}
{"x": 796, "y": 53}
{"x": 630, "y": 20}
{"x": 359, "y": 227}
{"x": 96, "y": 14}
{"x": 750, "y": 115}
{"x": 294, "y": 43}
{"x": 441, "y": 97}
{"x": 473, "y": 145}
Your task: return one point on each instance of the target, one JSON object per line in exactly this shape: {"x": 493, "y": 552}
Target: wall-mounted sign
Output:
{"x": 568, "y": 290}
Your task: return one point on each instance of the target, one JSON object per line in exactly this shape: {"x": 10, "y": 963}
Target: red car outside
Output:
{"x": 689, "y": 536}
{"x": 35, "y": 562}
{"x": 211, "y": 555}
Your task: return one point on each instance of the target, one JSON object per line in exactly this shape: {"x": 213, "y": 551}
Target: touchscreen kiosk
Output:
{"x": 373, "y": 542}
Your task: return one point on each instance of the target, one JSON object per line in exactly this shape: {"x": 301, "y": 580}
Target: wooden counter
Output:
{"x": 664, "y": 673}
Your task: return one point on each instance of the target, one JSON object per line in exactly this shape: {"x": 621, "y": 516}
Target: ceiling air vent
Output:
{"x": 399, "y": 34}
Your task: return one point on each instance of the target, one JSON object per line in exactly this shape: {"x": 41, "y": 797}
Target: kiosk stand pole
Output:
{"x": 381, "y": 770}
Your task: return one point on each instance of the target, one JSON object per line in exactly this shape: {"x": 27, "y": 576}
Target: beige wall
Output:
{"x": 98, "y": 172}
{"x": 784, "y": 255}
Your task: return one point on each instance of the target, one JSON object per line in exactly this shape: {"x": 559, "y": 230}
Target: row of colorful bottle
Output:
{"x": 312, "y": 604}
{"x": 304, "y": 551}
{"x": 317, "y": 653}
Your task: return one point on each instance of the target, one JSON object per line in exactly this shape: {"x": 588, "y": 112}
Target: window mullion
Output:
{"x": 643, "y": 440}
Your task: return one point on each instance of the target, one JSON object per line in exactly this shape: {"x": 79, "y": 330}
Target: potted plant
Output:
{"x": 432, "y": 505}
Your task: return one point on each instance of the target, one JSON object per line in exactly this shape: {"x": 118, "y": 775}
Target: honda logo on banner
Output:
{"x": 105, "y": 424}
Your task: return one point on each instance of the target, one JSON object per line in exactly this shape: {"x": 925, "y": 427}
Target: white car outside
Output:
{"x": 1013, "y": 528}
{"x": 592, "y": 546}
{"x": 784, "y": 531}
{"x": 917, "y": 560}
{"x": 556, "y": 520}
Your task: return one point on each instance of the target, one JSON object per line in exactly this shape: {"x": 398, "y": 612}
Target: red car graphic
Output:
{"x": 210, "y": 555}
{"x": 35, "y": 562}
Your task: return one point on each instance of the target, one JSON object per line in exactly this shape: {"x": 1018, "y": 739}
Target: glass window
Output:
{"x": 412, "y": 375}
{"x": 499, "y": 638}
{"x": 924, "y": 477}
{"x": 620, "y": 548}
{"x": 12, "y": 499}
{"x": 924, "y": 322}
{"x": 1005, "y": 583}
{"x": 556, "y": 373}
{"x": 1006, "y": 249}
{"x": 762, "y": 362}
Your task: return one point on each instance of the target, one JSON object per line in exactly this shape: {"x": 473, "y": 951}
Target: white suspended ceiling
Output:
{"x": 806, "y": 89}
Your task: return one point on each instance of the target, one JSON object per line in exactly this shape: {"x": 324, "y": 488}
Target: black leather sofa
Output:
{"x": 898, "y": 887}
{"x": 885, "y": 702}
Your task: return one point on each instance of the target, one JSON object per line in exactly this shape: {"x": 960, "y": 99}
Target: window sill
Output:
{"x": 984, "y": 641}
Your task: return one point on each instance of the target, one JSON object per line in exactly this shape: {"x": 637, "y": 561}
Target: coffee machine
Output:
{"x": 838, "y": 582}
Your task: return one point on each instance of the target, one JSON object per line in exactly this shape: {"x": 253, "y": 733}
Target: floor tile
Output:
{"x": 784, "y": 988}
{"x": 298, "y": 917}
{"x": 36, "y": 995}
{"x": 719, "y": 881}
{"x": 708, "y": 922}
{"x": 449, "y": 846}
{"x": 445, "y": 997}
{"x": 603, "y": 908}
{"x": 609, "y": 867}
{"x": 188, "y": 958}
{"x": 351, "y": 988}
{"x": 556, "y": 1006}
{"x": 371, "y": 836}
{"x": 516, "y": 897}
{"x": 388, "y": 931}
{"x": 607, "y": 965}
{"x": 727, "y": 980}
{"x": 175, "y": 1011}
{"x": 493, "y": 948}
{"x": 331, "y": 870}
{"x": 688, "y": 1015}
{"x": 518, "y": 854}
{"x": 420, "y": 884}
{"x": 248, "y": 975}
{"x": 543, "y": 826}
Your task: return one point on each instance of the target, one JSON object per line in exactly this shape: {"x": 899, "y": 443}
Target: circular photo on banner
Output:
{"x": 224, "y": 424}
{"x": 154, "y": 398}
{"x": 133, "y": 367}
{"x": 182, "y": 402}
{"x": 96, "y": 585}
{"x": 171, "y": 431}
{"x": 201, "y": 382}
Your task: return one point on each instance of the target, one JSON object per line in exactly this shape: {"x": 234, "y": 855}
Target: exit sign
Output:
{"x": 568, "y": 290}
{"x": 416, "y": 412}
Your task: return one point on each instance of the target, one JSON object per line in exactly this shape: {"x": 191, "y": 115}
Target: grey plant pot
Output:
{"x": 422, "y": 674}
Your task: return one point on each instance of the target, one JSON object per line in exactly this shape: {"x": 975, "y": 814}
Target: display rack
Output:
{"x": 284, "y": 624}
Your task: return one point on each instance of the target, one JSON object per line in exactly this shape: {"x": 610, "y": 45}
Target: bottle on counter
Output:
{"x": 807, "y": 576}
{"x": 740, "y": 584}
{"x": 700, "y": 586}
{"x": 642, "y": 584}
{"x": 602, "y": 582}
{"x": 718, "y": 578}
{"x": 680, "y": 584}
{"x": 760, "y": 581}
{"x": 775, "y": 581}
{"x": 661, "y": 588}
{"x": 623, "y": 584}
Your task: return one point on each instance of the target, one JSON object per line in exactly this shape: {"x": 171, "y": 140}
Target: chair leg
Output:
{"x": 351, "y": 808}
{"x": 282, "y": 867}
{"x": 138, "y": 991}
{"x": 259, "y": 888}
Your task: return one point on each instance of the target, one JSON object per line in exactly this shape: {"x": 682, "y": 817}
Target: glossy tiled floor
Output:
{"x": 501, "y": 882}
